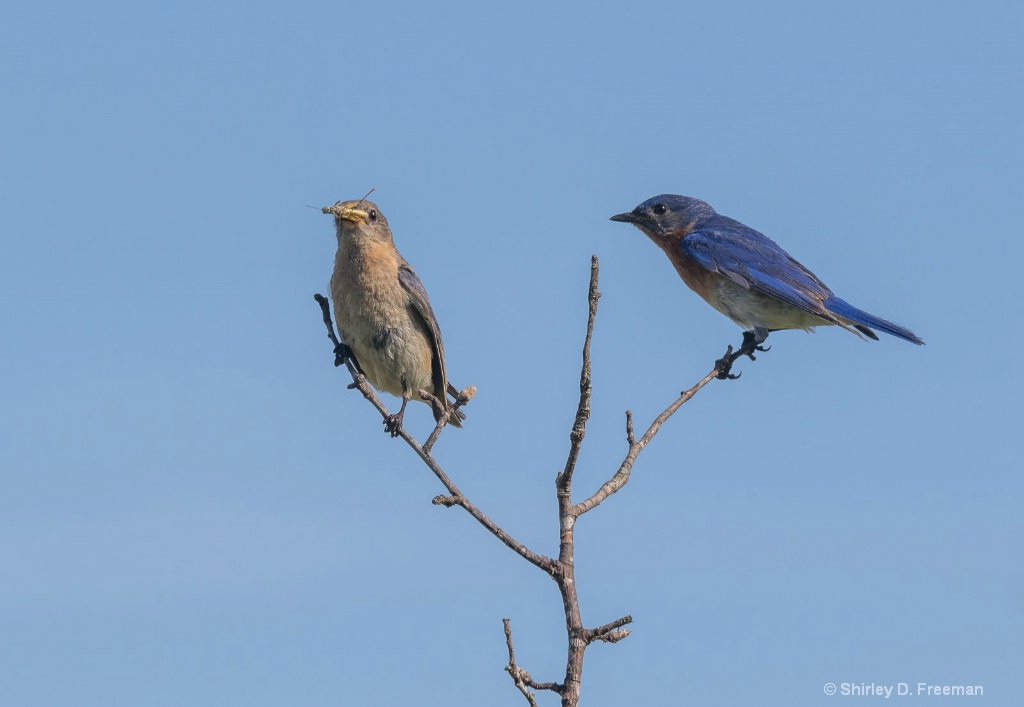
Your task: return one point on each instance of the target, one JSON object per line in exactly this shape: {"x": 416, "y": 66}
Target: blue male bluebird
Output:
{"x": 745, "y": 275}
{"x": 384, "y": 315}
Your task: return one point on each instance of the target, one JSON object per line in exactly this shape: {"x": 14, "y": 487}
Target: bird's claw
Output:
{"x": 393, "y": 424}
{"x": 748, "y": 351}
{"x": 747, "y": 348}
{"x": 724, "y": 365}
{"x": 342, "y": 352}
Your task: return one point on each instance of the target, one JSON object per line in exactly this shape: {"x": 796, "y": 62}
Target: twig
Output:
{"x": 606, "y": 632}
{"x": 442, "y": 421}
{"x": 579, "y": 427}
{"x": 325, "y": 308}
{"x": 621, "y": 477}
{"x": 519, "y": 676}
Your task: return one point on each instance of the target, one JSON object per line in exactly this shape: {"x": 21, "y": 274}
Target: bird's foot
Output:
{"x": 752, "y": 341}
{"x": 724, "y": 365}
{"x": 393, "y": 423}
{"x": 343, "y": 352}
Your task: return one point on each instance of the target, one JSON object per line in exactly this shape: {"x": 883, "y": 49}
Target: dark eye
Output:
{"x": 659, "y": 209}
{"x": 373, "y": 214}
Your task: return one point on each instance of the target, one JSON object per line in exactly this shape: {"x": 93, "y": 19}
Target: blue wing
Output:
{"x": 755, "y": 262}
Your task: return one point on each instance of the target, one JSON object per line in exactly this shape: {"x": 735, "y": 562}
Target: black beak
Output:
{"x": 628, "y": 217}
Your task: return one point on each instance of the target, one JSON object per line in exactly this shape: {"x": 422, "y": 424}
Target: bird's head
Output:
{"x": 359, "y": 218}
{"x": 668, "y": 215}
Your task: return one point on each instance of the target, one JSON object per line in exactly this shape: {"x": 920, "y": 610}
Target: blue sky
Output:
{"x": 195, "y": 511}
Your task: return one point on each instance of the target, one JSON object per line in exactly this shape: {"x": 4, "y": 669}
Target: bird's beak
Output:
{"x": 347, "y": 213}
{"x": 628, "y": 217}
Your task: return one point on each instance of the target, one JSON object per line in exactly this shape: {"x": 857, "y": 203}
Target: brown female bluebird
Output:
{"x": 384, "y": 314}
{"x": 745, "y": 275}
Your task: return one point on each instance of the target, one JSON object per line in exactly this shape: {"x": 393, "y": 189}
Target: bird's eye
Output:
{"x": 373, "y": 214}
{"x": 659, "y": 209}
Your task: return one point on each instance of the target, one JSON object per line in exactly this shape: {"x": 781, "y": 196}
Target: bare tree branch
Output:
{"x": 579, "y": 427}
{"x": 519, "y": 676}
{"x": 429, "y": 444}
{"x": 325, "y": 309}
{"x": 457, "y": 498}
{"x": 621, "y": 476}
{"x": 613, "y": 636}
{"x": 562, "y": 570}
{"x": 602, "y": 633}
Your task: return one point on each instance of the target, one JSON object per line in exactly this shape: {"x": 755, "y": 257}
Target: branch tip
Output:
{"x": 614, "y": 636}
{"x": 521, "y": 677}
{"x": 579, "y": 427}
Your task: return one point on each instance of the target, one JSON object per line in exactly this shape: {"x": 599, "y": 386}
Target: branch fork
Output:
{"x": 562, "y": 568}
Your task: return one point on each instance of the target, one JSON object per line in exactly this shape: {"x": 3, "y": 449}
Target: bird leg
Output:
{"x": 393, "y": 423}
{"x": 752, "y": 341}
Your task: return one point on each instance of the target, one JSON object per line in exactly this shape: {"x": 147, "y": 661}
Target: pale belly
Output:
{"x": 393, "y": 351}
{"x": 751, "y": 309}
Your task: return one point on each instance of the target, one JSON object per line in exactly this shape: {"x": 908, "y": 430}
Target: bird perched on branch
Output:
{"x": 384, "y": 315}
{"x": 745, "y": 275}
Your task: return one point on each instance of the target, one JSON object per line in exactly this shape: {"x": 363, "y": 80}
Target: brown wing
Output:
{"x": 421, "y": 306}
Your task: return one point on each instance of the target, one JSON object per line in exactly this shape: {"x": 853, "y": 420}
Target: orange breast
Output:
{"x": 697, "y": 278}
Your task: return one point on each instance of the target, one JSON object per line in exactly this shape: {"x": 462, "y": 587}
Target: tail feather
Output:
{"x": 864, "y": 322}
{"x": 456, "y": 417}
{"x": 462, "y": 397}
{"x": 866, "y": 331}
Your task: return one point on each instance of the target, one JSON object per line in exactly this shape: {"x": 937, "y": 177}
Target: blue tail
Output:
{"x": 864, "y": 322}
